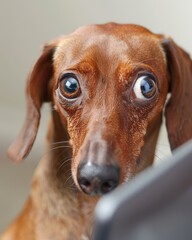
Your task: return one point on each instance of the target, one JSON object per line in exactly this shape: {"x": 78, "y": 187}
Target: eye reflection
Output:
{"x": 145, "y": 88}
{"x": 69, "y": 87}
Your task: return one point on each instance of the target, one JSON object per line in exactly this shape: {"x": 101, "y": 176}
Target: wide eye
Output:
{"x": 145, "y": 88}
{"x": 69, "y": 87}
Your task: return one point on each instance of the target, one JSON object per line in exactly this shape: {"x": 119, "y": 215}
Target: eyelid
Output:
{"x": 68, "y": 74}
{"x": 64, "y": 99}
{"x": 146, "y": 73}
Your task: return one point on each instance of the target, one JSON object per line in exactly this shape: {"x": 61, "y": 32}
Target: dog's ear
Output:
{"x": 37, "y": 92}
{"x": 178, "y": 111}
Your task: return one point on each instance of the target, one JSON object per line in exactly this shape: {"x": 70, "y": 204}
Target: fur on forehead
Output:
{"x": 95, "y": 37}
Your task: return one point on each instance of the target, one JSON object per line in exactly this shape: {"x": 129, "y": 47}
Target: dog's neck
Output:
{"x": 53, "y": 184}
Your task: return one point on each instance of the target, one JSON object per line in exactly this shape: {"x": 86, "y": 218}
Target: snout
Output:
{"x": 96, "y": 179}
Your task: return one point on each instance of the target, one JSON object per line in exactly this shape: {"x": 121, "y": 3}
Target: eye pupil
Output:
{"x": 147, "y": 87}
{"x": 71, "y": 85}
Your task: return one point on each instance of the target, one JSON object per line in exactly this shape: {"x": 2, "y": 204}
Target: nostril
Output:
{"x": 108, "y": 186}
{"x": 84, "y": 183}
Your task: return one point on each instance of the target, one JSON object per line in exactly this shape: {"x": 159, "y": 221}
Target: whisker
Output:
{"x": 68, "y": 171}
{"x": 156, "y": 156}
{"x": 58, "y": 147}
{"x": 59, "y": 142}
{"x": 69, "y": 178}
{"x": 69, "y": 183}
{"x": 53, "y": 149}
{"x": 65, "y": 163}
{"x": 63, "y": 148}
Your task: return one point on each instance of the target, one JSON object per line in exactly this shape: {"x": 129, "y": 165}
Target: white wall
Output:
{"x": 26, "y": 25}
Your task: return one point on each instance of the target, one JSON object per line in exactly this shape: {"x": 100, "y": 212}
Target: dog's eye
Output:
{"x": 69, "y": 87}
{"x": 145, "y": 88}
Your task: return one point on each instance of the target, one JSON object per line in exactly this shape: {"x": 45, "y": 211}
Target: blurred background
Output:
{"x": 24, "y": 27}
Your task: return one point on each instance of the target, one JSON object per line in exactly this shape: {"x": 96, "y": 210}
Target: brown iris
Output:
{"x": 69, "y": 87}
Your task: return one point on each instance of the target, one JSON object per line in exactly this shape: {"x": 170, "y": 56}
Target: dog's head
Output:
{"x": 109, "y": 84}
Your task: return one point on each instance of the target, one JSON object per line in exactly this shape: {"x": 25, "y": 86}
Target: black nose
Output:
{"x": 98, "y": 179}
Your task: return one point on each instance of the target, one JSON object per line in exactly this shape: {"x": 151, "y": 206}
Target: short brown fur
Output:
{"x": 106, "y": 59}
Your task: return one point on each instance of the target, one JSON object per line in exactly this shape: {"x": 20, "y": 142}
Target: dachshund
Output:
{"x": 107, "y": 86}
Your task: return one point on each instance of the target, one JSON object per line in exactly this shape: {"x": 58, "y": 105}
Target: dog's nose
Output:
{"x": 98, "y": 179}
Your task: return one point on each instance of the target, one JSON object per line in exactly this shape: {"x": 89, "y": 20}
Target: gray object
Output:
{"x": 156, "y": 205}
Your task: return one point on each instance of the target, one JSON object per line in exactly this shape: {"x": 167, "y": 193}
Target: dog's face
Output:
{"x": 109, "y": 86}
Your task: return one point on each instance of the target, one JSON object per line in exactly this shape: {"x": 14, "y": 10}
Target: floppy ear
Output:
{"x": 37, "y": 92}
{"x": 178, "y": 111}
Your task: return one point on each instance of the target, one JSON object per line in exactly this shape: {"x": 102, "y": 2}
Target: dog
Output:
{"x": 107, "y": 86}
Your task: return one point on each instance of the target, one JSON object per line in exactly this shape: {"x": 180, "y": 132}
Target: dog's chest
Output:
{"x": 74, "y": 223}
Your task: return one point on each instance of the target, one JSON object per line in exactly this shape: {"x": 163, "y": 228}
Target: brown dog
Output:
{"x": 107, "y": 85}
